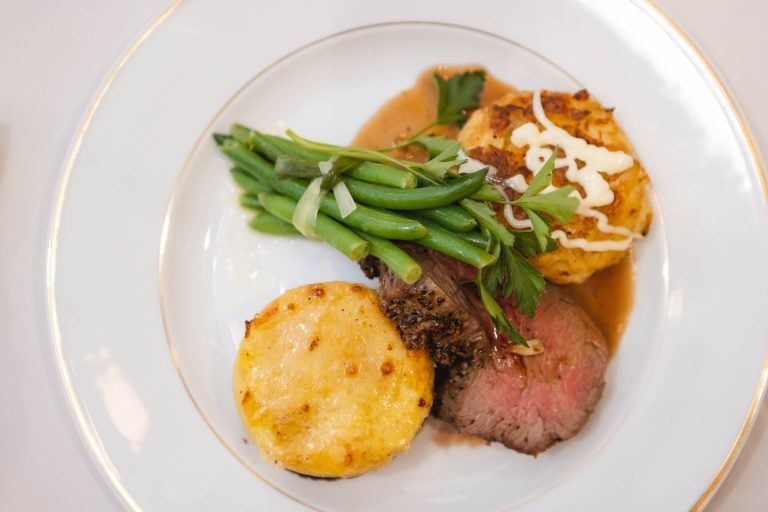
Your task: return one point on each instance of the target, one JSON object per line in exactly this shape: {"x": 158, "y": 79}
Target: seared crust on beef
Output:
{"x": 437, "y": 312}
{"x": 483, "y": 389}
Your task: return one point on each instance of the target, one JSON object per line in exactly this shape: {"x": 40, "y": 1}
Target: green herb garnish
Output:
{"x": 457, "y": 95}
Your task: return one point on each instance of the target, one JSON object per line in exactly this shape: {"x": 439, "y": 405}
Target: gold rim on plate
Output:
{"x": 90, "y": 437}
{"x": 757, "y": 398}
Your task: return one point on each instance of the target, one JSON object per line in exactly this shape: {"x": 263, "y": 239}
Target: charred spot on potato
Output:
{"x": 247, "y": 328}
{"x": 422, "y": 402}
{"x": 350, "y": 369}
{"x": 264, "y": 316}
{"x": 582, "y": 94}
{"x": 559, "y": 179}
{"x": 528, "y": 110}
{"x": 494, "y": 156}
{"x": 291, "y": 306}
{"x": 387, "y": 367}
{"x": 554, "y": 103}
{"x": 317, "y": 290}
{"x": 313, "y": 343}
{"x": 500, "y": 116}
{"x": 578, "y": 114}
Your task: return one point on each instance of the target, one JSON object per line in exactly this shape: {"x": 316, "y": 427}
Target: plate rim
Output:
{"x": 86, "y": 430}
{"x": 686, "y": 42}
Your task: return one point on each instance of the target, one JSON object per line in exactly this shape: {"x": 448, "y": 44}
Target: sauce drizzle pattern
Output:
{"x": 595, "y": 161}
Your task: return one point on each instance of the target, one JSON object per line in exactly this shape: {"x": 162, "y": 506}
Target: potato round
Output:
{"x": 324, "y": 384}
{"x": 486, "y": 137}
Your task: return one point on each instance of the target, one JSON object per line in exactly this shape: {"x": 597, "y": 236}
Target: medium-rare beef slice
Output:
{"x": 437, "y": 312}
{"x": 530, "y": 403}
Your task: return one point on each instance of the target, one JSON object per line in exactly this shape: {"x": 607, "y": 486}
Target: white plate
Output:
{"x": 679, "y": 389}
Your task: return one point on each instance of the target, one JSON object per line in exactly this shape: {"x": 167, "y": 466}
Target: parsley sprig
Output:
{"x": 512, "y": 274}
{"x": 458, "y": 95}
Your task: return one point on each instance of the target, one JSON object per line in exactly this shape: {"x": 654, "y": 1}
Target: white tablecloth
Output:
{"x": 53, "y": 56}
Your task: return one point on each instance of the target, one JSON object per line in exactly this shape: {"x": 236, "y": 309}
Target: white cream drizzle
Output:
{"x": 472, "y": 165}
{"x": 596, "y": 162}
{"x": 514, "y": 221}
{"x": 591, "y": 245}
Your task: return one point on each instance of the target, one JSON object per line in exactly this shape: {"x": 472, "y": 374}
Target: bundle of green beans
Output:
{"x": 378, "y": 198}
{"x": 391, "y": 204}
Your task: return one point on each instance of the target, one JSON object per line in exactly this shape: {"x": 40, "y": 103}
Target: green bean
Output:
{"x": 486, "y": 218}
{"x": 289, "y": 147}
{"x": 239, "y": 132}
{"x": 247, "y": 182}
{"x": 250, "y": 201}
{"x": 267, "y": 223}
{"x": 273, "y": 145}
{"x": 326, "y": 229}
{"x": 372, "y": 172}
{"x": 290, "y": 166}
{"x": 398, "y": 261}
{"x": 250, "y": 162}
{"x": 420, "y": 198}
{"x": 457, "y": 248}
{"x": 255, "y": 141}
{"x": 376, "y": 222}
{"x": 476, "y": 238}
{"x": 220, "y": 138}
{"x": 452, "y": 217}
{"x": 287, "y": 166}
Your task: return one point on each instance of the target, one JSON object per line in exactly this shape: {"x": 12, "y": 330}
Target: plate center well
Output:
{"x": 216, "y": 273}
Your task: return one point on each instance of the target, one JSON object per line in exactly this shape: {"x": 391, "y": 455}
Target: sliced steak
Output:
{"x": 437, "y": 312}
{"x": 526, "y": 403}
{"x": 530, "y": 403}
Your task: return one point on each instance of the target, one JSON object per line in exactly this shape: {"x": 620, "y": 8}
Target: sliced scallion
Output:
{"x": 305, "y": 215}
{"x": 344, "y": 199}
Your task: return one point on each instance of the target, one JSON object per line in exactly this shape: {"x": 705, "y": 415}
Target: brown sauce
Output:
{"x": 414, "y": 108}
{"x": 446, "y": 435}
{"x": 607, "y": 296}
